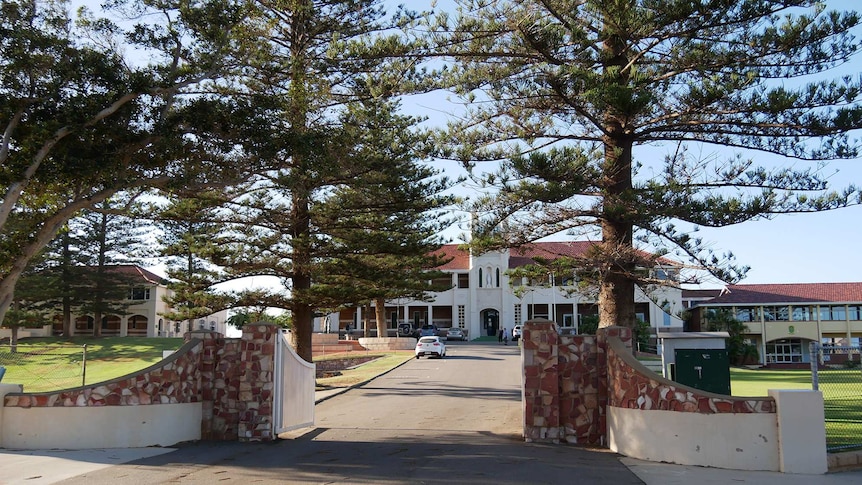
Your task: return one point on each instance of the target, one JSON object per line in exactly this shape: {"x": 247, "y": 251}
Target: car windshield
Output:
{"x": 427, "y": 340}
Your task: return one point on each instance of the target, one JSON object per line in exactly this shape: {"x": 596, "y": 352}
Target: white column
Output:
{"x": 124, "y": 326}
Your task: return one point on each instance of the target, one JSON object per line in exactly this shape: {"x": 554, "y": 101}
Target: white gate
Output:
{"x": 293, "y": 396}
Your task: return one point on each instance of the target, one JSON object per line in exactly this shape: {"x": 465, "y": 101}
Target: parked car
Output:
{"x": 455, "y": 333}
{"x": 428, "y": 330}
{"x": 405, "y": 330}
{"x": 432, "y": 346}
{"x": 516, "y": 333}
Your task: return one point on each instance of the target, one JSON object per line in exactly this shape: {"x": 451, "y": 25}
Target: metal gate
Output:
{"x": 837, "y": 373}
{"x": 294, "y": 378}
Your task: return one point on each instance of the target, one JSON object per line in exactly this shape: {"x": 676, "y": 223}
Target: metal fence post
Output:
{"x": 84, "y": 366}
{"x": 814, "y": 349}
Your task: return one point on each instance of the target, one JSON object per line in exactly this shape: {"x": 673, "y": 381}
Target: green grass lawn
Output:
{"x": 52, "y": 363}
{"x": 842, "y": 398}
{"x": 757, "y": 383}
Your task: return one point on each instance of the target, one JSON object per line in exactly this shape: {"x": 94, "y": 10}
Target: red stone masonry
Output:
{"x": 570, "y": 380}
{"x": 633, "y": 386}
{"x": 171, "y": 381}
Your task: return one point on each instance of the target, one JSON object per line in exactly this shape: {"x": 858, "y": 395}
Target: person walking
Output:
{"x": 505, "y": 336}
{"x": 500, "y": 334}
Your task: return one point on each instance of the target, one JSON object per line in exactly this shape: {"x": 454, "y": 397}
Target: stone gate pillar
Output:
{"x": 256, "y": 382}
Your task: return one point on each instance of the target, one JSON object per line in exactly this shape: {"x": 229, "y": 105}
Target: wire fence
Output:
{"x": 44, "y": 368}
{"x": 837, "y": 373}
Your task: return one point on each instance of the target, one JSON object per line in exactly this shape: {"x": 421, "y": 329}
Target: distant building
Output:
{"x": 782, "y": 319}
{"x": 482, "y": 301}
{"x": 142, "y": 317}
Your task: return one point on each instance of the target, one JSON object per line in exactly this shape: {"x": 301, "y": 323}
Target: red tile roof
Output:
{"x": 789, "y": 293}
{"x": 460, "y": 258}
{"x": 548, "y": 250}
{"x": 523, "y": 255}
{"x": 135, "y": 270}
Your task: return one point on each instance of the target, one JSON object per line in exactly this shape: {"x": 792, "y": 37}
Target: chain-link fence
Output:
{"x": 837, "y": 373}
{"x": 44, "y": 368}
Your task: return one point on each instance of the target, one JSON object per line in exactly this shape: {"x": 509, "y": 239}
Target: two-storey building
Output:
{"x": 482, "y": 299}
{"x": 143, "y": 315}
{"x": 782, "y": 319}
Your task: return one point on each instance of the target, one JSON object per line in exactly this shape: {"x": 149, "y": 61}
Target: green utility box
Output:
{"x": 704, "y": 369}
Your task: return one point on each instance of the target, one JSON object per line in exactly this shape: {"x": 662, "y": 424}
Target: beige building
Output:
{"x": 143, "y": 317}
{"x": 783, "y": 319}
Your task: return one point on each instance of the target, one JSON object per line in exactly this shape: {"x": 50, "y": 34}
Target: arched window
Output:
{"x": 480, "y": 278}
{"x": 497, "y": 276}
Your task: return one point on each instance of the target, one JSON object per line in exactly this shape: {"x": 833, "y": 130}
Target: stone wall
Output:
{"x": 232, "y": 379}
{"x": 569, "y": 382}
{"x": 632, "y": 388}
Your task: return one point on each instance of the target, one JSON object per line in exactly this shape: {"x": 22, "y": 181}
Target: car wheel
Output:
{"x": 417, "y": 356}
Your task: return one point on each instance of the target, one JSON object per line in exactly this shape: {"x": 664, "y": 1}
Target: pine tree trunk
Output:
{"x": 380, "y": 316}
{"x": 616, "y": 287}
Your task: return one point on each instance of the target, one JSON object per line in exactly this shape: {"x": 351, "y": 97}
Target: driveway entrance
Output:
{"x": 434, "y": 421}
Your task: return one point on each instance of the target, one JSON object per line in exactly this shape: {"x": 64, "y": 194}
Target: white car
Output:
{"x": 454, "y": 333}
{"x": 516, "y": 333}
{"x": 432, "y": 346}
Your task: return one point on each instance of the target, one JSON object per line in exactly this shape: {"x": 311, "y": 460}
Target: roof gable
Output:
{"x": 524, "y": 255}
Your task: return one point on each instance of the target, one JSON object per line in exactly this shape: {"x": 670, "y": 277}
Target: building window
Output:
{"x": 776, "y": 313}
{"x": 463, "y": 280}
{"x": 539, "y": 310}
{"x": 854, "y": 312}
{"x": 139, "y": 294}
{"x": 442, "y": 283}
{"x": 517, "y": 314}
{"x": 801, "y": 314}
{"x": 480, "y": 277}
{"x": 838, "y": 313}
{"x": 462, "y": 316}
{"x": 497, "y": 276}
{"x": 139, "y": 321}
{"x": 748, "y": 314}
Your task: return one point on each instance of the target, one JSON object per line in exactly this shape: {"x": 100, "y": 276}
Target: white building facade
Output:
{"x": 484, "y": 300}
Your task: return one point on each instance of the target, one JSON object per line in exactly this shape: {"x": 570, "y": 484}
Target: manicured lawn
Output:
{"x": 52, "y": 363}
{"x": 842, "y": 397}
{"x": 757, "y": 383}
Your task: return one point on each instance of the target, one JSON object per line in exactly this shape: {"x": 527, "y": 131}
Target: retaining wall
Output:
{"x": 211, "y": 388}
{"x": 592, "y": 390}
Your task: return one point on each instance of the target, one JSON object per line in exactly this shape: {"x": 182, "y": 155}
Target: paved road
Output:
{"x": 452, "y": 420}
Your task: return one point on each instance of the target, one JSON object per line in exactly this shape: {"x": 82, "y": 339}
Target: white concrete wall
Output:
{"x": 734, "y": 441}
{"x": 793, "y": 440}
{"x": 76, "y": 428}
